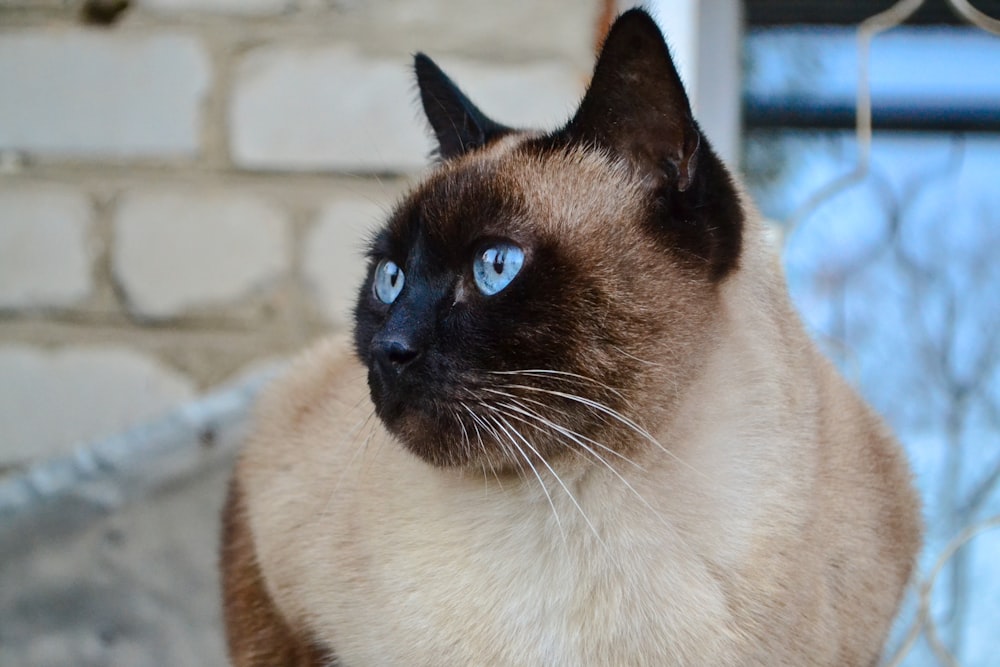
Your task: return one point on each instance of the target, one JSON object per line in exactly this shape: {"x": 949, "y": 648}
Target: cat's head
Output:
{"x": 550, "y": 294}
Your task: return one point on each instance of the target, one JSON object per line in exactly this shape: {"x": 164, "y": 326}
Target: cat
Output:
{"x": 578, "y": 423}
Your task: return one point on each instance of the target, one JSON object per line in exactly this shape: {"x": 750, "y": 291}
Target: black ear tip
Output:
{"x": 636, "y": 20}
{"x": 427, "y": 70}
{"x": 637, "y": 14}
{"x": 423, "y": 65}
{"x": 457, "y": 123}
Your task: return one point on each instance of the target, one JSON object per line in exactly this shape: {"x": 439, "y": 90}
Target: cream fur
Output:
{"x": 779, "y": 530}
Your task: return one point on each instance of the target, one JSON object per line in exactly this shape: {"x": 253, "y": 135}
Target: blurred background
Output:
{"x": 186, "y": 185}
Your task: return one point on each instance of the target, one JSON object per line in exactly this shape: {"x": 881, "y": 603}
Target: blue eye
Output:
{"x": 388, "y": 281}
{"x": 496, "y": 266}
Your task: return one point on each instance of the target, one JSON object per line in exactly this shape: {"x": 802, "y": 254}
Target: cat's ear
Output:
{"x": 636, "y": 104}
{"x": 459, "y": 126}
{"x": 636, "y": 108}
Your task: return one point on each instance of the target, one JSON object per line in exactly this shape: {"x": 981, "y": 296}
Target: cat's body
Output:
{"x": 651, "y": 466}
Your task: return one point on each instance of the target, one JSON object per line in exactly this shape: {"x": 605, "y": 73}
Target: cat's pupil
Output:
{"x": 495, "y": 267}
{"x": 388, "y": 281}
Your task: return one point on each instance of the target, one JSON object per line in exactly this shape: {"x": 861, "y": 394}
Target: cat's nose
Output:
{"x": 394, "y": 353}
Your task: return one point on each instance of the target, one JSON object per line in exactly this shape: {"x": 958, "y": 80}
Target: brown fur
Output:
{"x": 256, "y": 632}
{"x": 735, "y": 503}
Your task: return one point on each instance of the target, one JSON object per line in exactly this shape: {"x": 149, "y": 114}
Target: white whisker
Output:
{"x": 496, "y": 419}
{"x": 632, "y": 356}
{"x": 614, "y": 414}
{"x": 482, "y": 445}
{"x": 467, "y": 444}
{"x": 518, "y": 400}
{"x": 351, "y": 434}
{"x": 548, "y": 372}
{"x": 573, "y": 436}
{"x": 491, "y": 430}
{"x": 569, "y": 493}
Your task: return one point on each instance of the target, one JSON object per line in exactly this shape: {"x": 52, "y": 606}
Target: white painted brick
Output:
{"x": 324, "y": 109}
{"x": 333, "y": 257}
{"x": 179, "y": 250}
{"x": 77, "y": 93}
{"x": 50, "y": 401}
{"x": 45, "y": 252}
{"x": 535, "y": 95}
{"x": 519, "y": 29}
{"x": 33, "y": 4}
{"x": 329, "y": 109}
{"x": 243, "y": 7}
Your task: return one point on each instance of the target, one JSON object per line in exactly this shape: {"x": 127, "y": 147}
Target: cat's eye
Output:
{"x": 495, "y": 266}
{"x": 388, "y": 281}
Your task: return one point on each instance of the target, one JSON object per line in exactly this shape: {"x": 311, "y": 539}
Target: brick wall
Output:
{"x": 184, "y": 191}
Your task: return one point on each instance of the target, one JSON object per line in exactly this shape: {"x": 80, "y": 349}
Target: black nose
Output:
{"x": 394, "y": 354}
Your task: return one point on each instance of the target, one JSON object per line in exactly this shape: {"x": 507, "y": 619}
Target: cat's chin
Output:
{"x": 432, "y": 437}
{"x": 432, "y": 430}
{"x": 443, "y": 439}
{"x": 449, "y": 429}
{"x": 422, "y": 424}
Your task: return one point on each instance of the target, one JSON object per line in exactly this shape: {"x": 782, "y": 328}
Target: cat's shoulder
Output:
{"x": 324, "y": 371}
{"x": 322, "y": 388}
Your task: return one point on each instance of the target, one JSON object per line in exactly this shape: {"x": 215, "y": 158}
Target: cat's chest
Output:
{"x": 497, "y": 576}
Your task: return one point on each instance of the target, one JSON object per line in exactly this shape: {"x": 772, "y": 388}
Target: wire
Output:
{"x": 867, "y": 30}
{"x": 977, "y": 18}
{"x": 923, "y": 624}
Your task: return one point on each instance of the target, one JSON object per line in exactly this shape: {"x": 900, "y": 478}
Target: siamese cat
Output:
{"x": 579, "y": 422}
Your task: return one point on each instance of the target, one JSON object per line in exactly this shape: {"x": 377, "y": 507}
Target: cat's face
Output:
{"x": 547, "y": 295}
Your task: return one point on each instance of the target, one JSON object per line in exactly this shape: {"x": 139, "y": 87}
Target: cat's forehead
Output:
{"x": 518, "y": 191}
